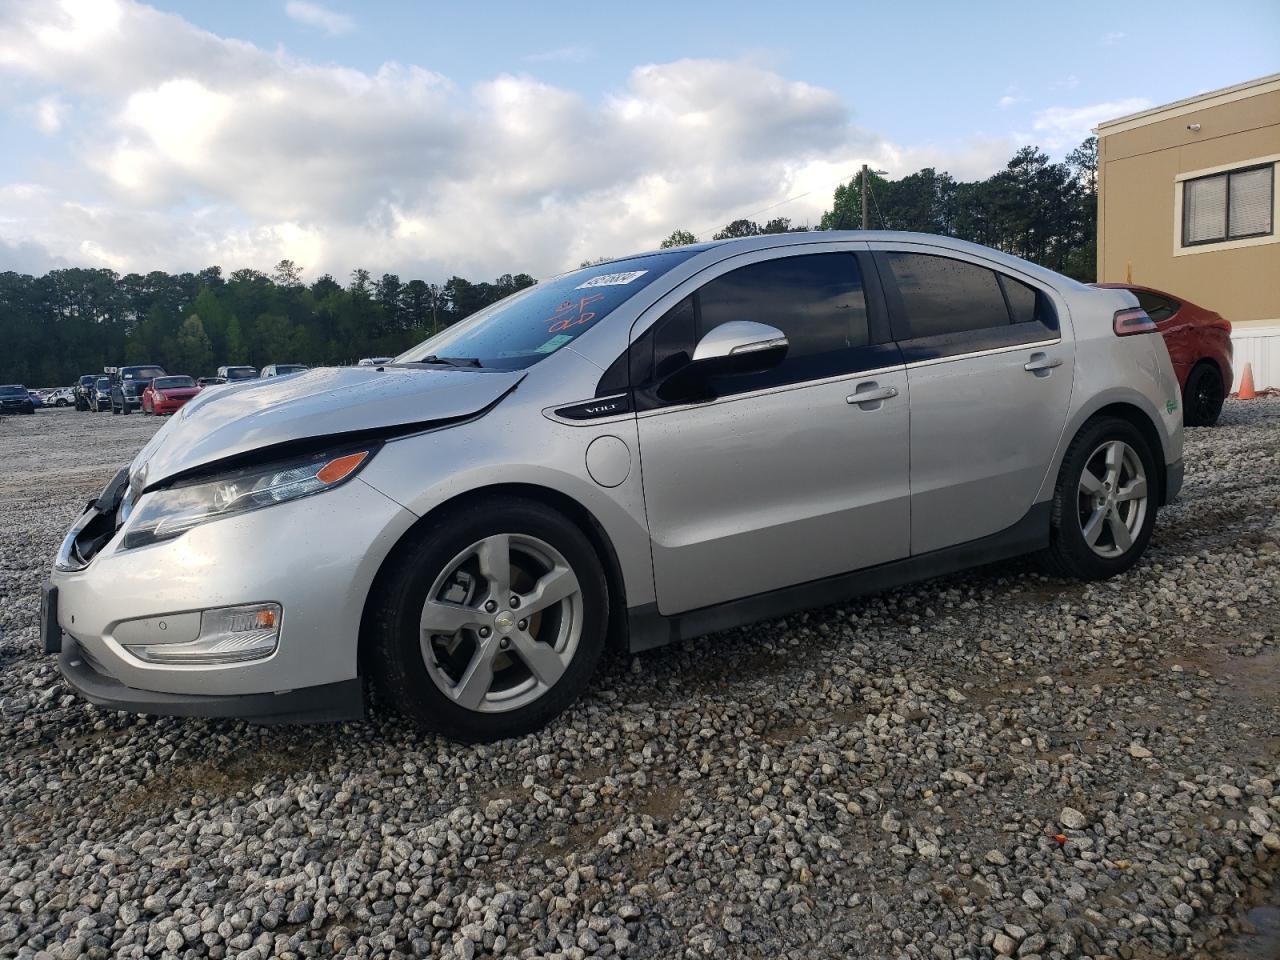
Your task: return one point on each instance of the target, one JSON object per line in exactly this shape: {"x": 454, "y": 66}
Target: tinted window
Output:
{"x": 141, "y": 373}
{"x": 1158, "y": 308}
{"x": 817, "y": 300}
{"x": 534, "y": 323}
{"x": 163, "y": 383}
{"x": 940, "y": 295}
{"x": 12, "y": 392}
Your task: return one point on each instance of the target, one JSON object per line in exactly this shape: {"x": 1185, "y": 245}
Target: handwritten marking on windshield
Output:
{"x": 564, "y": 317}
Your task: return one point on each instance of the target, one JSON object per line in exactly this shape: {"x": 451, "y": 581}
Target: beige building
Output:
{"x": 1187, "y": 200}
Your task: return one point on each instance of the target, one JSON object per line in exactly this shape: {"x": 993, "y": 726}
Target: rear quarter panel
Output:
{"x": 1134, "y": 370}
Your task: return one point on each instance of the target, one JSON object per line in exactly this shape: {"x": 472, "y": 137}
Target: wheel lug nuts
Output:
{"x": 523, "y": 624}
{"x": 515, "y": 602}
{"x": 485, "y": 631}
{"x": 504, "y": 643}
{"x": 491, "y": 605}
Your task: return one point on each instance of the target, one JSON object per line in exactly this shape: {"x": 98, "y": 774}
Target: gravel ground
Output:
{"x": 997, "y": 764}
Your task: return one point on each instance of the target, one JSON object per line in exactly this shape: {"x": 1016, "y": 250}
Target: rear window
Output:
{"x": 8, "y": 391}
{"x": 241, "y": 373}
{"x": 141, "y": 373}
{"x": 535, "y": 322}
{"x": 1158, "y": 308}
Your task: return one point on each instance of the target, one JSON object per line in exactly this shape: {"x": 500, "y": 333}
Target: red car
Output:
{"x": 1199, "y": 343}
{"x": 168, "y": 394}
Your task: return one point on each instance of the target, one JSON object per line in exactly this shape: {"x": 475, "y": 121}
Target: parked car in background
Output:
{"x": 165, "y": 395}
{"x": 282, "y": 369}
{"x": 232, "y": 374}
{"x": 203, "y": 382}
{"x": 83, "y": 390}
{"x": 14, "y": 398}
{"x": 1199, "y": 342}
{"x": 102, "y": 394}
{"x": 62, "y": 397}
{"x": 818, "y": 415}
{"x": 128, "y": 383}
{"x": 36, "y": 400}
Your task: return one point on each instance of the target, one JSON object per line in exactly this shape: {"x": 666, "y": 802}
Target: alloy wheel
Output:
{"x": 501, "y": 623}
{"x": 1112, "y": 498}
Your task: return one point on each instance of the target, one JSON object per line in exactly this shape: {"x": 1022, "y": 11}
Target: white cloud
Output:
{"x": 1111, "y": 39}
{"x": 194, "y": 149}
{"x": 1009, "y": 100}
{"x": 1060, "y": 128}
{"x": 561, "y": 55}
{"x": 49, "y": 113}
{"x": 314, "y": 15}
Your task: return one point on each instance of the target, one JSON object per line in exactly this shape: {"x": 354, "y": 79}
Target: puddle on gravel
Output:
{"x": 1263, "y": 942}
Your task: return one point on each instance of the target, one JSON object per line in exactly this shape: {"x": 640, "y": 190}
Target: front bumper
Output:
{"x": 316, "y": 557}
{"x": 330, "y": 702}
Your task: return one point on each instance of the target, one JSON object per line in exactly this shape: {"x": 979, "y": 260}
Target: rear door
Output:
{"x": 786, "y": 476}
{"x": 990, "y": 376}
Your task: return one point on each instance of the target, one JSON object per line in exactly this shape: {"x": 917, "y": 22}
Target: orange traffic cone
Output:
{"x": 1246, "y": 384}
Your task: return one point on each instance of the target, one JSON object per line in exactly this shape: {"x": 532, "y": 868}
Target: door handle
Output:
{"x": 871, "y": 395}
{"x": 1041, "y": 361}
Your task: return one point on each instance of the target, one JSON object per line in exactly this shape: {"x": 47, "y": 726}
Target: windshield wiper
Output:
{"x": 451, "y": 361}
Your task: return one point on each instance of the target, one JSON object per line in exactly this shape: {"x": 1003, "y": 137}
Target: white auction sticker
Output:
{"x": 611, "y": 279}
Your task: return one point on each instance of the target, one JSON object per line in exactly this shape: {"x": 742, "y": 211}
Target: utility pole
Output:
{"x": 866, "y": 218}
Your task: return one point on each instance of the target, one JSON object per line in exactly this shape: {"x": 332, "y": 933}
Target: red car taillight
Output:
{"x": 1135, "y": 320}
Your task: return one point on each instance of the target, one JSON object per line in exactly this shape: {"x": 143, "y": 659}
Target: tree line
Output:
{"x": 78, "y": 320}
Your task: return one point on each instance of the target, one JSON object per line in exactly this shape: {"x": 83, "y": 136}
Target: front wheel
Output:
{"x": 491, "y": 622}
{"x": 1203, "y": 396}
{"x": 1104, "y": 506}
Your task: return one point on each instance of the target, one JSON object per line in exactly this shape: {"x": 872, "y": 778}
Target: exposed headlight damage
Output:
{"x": 168, "y": 513}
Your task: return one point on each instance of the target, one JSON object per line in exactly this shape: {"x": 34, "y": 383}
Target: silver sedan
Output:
{"x": 623, "y": 456}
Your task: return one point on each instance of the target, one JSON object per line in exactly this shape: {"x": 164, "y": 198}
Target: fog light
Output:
{"x": 227, "y": 635}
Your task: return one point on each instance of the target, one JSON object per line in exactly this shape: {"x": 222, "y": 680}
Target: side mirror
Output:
{"x": 730, "y": 349}
{"x": 740, "y": 347}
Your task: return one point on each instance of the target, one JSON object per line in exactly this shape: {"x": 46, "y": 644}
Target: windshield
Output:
{"x": 103, "y": 383}
{"x": 289, "y": 368}
{"x": 536, "y": 322}
{"x": 8, "y": 391}
{"x": 241, "y": 373}
{"x": 163, "y": 383}
{"x": 141, "y": 373}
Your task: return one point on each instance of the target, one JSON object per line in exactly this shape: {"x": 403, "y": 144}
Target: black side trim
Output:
{"x": 330, "y": 702}
{"x": 649, "y": 628}
{"x": 1173, "y": 473}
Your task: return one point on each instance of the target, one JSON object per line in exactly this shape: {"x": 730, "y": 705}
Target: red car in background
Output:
{"x": 167, "y": 394}
{"x": 1199, "y": 343}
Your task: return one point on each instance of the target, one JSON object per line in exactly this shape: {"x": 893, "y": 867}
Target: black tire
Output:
{"x": 114, "y": 411}
{"x": 1203, "y": 396}
{"x": 124, "y": 407}
{"x": 60, "y": 403}
{"x": 392, "y": 622}
{"x": 1069, "y": 554}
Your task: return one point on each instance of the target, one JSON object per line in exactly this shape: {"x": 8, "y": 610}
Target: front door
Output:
{"x": 785, "y": 476}
{"x": 990, "y": 376}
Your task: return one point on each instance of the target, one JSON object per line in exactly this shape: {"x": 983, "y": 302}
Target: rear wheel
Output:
{"x": 491, "y": 623}
{"x": 1203, "y": 396}
{"x": 1104, "y": 506}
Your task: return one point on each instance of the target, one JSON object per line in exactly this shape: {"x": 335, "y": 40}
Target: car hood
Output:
{"x": 238, "y": 418}
{"x": 178, "y": 391}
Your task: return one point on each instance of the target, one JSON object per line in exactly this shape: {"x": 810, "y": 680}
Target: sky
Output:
{"x": 479, "y": 138}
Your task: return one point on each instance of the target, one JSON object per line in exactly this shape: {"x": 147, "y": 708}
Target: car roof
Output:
{"x": 765, "y": 241}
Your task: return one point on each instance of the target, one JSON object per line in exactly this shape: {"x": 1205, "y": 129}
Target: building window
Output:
{"x": 1228, "y": 206}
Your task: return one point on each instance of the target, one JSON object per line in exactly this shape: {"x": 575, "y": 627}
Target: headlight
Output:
{"x": 165, "y": 514}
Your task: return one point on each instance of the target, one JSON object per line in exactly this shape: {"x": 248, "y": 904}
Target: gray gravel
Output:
{"x": 997, "y": 764}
